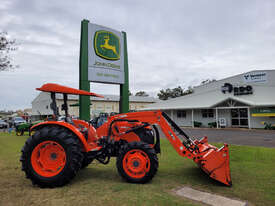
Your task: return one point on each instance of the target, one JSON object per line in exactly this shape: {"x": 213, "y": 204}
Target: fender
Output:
{"x": 68, "y": 126}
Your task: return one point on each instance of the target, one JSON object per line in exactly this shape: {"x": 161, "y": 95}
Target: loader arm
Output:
{"x": 213, "y": 161}
{"x": 184, "y": 147}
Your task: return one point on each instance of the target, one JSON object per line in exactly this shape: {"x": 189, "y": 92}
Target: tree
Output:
{"x": 6, "y": 46}
{"x": 189, "y": 90}
{"x": 142, "y": 94}
{"x": 207, "y": 81}
{"x": 173, "y": 93}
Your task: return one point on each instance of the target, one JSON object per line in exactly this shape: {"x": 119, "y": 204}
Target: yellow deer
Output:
{"x": 106, "y": 45}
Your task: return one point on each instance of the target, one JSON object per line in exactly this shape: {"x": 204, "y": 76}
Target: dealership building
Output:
{"x": 110, "y": 103}
{"x": 245, "y": 100}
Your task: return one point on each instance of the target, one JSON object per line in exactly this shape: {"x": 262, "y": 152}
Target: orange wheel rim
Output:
{"x": 48, "y": 158}
{"x": 136, "y": 163}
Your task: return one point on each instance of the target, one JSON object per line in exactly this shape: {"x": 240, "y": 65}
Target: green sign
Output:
{"x": 104, "y": 59}
{"x": 263, "y": 112}
{"x": 105, "y": 55}
{"x": 107, "y": 45}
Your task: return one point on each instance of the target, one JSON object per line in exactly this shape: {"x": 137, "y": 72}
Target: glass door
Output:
{"x": 239, "y": 117}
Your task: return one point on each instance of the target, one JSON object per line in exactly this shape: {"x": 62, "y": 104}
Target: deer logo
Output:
{"x": 107, "y": 45}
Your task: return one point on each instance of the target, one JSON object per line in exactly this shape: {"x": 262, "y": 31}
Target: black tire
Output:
{"x": 152, "y": 156}
{"x": 86, "y": 161}
{"x": 72, "y": 147}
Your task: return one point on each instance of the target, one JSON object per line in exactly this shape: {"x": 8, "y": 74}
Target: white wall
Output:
{"x": 198, "y": 118}
{"x": 256, "y": 122}
{"x": 225, "y": 113}
{"x": 187, "y": 121}
{"x": 41, "y": 104}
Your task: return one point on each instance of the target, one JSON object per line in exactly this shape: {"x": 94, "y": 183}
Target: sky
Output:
{"x": 170, "y": 43}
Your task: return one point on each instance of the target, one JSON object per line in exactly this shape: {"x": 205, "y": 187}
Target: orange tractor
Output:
{"x": 57, "y": 150}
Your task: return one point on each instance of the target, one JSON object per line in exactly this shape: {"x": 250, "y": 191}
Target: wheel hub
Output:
{"x": 53, "y": 156}
{"x": 136, "y": 163}
{"x": 48, "y": 158}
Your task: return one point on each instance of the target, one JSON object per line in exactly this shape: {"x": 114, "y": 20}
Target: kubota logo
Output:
{"x": 107, "y": 45}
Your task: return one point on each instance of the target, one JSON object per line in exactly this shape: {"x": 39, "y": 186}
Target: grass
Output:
{"x": 252, "y": 170}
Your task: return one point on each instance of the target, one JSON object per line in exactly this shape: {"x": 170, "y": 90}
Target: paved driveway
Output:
{"x": 265, "y": 138}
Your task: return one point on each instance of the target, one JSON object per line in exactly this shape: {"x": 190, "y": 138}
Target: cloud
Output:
{"x": 170, "y": 43}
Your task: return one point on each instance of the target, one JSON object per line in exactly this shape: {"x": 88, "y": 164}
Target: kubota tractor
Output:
{"x": 57, "y": 150}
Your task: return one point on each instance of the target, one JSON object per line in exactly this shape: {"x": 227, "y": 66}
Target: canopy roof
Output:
{"x": 50, "y": 87}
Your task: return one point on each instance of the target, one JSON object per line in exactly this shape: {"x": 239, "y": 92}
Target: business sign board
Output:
{"x": 237, "y": 90}
{"x": 253, "y": 77}
{"x": 263, "y": 112}
{"x": 105, "y": 55}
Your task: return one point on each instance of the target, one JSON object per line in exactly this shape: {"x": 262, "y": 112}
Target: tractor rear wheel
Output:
{"x": 137, "y": 162}
{"x": 51, "y": 157}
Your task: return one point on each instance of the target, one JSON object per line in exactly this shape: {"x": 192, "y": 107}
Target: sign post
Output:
{"x": 103, "y": 59}
{"x": 124, "y": 88}
{"x": 84, "y": 84}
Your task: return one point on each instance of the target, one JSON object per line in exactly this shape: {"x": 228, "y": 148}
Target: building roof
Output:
{"x": 112, "y": 98}
{"x": 210, "y": 95}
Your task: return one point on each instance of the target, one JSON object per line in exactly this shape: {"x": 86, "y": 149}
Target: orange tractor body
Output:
{"x": 58, "y": 149}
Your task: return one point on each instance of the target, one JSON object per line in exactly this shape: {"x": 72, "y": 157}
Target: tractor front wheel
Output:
{"x": 51, "y": 157}
{"x": 137, "y": 162}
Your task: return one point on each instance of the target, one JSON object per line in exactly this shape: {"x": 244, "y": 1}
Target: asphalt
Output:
{"x": 251, "y": 137}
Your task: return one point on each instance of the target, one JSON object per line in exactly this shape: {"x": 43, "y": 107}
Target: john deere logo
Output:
{"x": 107, "y": 45}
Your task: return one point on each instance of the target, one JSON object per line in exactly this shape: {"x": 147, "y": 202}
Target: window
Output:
{"x": 108, "y": 108}
{"x": 207, "y": 113}
{"x": 99, "y": 107}
{"x": 243, "y": 113}
{"x": 181, "y": 114}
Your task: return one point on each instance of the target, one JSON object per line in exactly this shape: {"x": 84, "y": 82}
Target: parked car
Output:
{"x": 3, "y": 124}
{"x": 17, "y": 121}
{"x": 61, "y": 118}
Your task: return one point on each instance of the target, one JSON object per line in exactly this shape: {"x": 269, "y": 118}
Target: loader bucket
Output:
{"x": 215, "y": 162}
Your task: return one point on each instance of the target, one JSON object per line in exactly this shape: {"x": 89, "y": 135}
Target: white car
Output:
{"x": 18, "y": 120}
{"x": 3, "y": 124}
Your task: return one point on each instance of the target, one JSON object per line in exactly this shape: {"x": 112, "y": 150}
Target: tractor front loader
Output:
{"x": 57, "y": 150}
